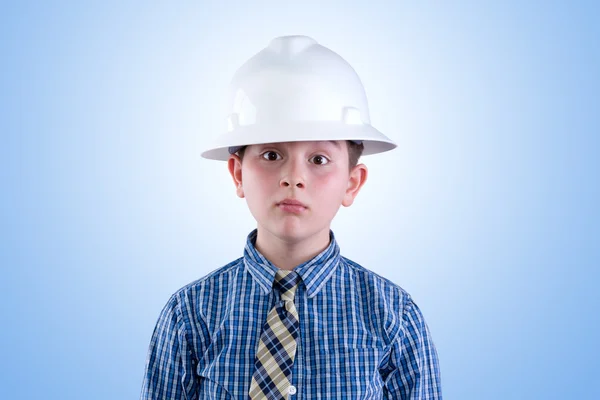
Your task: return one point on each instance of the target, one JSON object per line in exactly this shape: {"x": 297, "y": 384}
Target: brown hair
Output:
{"x": 354, "y": 153}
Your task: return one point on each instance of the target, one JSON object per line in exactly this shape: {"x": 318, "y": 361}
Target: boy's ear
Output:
{"x": 358, "y": 177}
{"x": 234, "y": 164}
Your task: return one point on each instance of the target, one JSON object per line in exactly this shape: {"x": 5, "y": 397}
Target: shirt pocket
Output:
{"x": 347, "y": 372}
{"x": 343, "y": 360}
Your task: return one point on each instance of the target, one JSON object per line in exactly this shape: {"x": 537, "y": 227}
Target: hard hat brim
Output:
{"x": 374, "y": 141}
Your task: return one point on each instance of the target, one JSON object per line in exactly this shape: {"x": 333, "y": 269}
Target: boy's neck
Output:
{"x": 287, "y": 255}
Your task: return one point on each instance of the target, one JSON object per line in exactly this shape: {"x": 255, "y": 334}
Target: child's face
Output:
{"x": 314, "y": 173}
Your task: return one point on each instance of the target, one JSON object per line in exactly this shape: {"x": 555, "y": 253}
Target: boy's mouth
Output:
{"x": 291, "y": 202}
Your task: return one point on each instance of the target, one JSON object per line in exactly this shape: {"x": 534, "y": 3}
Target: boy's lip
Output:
{"x": 292, "y": 202}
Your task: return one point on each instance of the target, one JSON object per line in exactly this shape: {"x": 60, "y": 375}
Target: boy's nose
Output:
{"x": 295, "y": 181}
{"x": 292, "y": 174}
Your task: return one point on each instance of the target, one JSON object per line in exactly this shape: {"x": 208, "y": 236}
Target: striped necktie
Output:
{"x": 277, "y": 346}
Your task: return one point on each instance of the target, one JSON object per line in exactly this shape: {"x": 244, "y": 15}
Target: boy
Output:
{"x": 292, "y": 318}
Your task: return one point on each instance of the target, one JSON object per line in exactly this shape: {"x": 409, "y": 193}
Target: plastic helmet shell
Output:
{"x": 296, "y": 90}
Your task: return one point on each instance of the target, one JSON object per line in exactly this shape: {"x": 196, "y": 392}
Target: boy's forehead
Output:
{"x": 334, "y": 143}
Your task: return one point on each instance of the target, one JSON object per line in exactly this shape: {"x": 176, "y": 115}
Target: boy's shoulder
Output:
{"x": 220, "y": 276}
{"x": 371, "y": 278}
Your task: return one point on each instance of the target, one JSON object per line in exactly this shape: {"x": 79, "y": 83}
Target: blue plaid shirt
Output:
{"x": 361, "y": 336}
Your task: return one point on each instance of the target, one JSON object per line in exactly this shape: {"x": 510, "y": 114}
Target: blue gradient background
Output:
{"x": 487, "y": 212}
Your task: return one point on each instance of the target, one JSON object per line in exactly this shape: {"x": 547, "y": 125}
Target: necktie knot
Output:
{"x": 287, "y": 283}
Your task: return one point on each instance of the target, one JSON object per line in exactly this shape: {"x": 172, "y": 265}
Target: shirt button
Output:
{"x": 292, "y": 390}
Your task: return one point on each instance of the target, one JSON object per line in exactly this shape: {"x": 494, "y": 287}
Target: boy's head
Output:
{"x": 308, "y": 108}
{"x": 317, "y": 174}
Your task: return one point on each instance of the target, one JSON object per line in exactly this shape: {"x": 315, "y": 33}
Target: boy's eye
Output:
{"x": 270, "y": 155}
{"x": 274, "y": 156}
{"x": 320, "y": 160}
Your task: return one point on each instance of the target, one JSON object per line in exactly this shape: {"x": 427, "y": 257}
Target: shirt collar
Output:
{"x": 314, "y": 272}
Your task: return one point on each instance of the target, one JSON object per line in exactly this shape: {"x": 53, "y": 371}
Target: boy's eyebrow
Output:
{"x": 335, "y": 143}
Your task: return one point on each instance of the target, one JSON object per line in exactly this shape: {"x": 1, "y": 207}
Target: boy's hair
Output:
{"x": 354, "y": 153}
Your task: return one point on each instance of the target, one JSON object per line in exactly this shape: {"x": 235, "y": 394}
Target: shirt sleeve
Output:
{"x": 413, "y": 367}
{"x": 169, "y": 371}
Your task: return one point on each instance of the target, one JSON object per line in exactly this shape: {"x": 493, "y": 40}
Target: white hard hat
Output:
{"x": 296, "y": 90}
